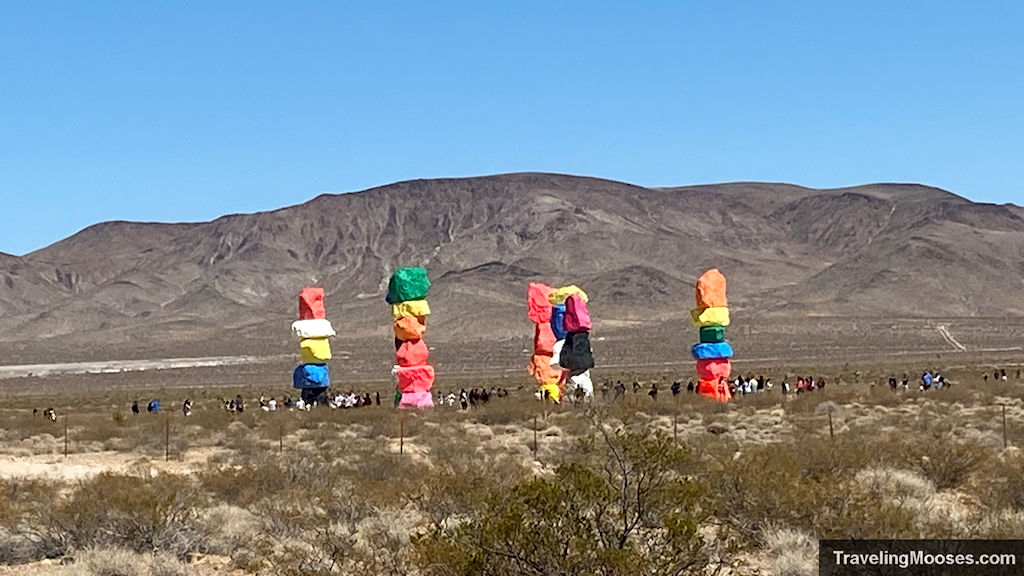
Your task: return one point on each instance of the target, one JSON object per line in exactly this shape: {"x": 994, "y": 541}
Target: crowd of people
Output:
{"x": 50, "y": 414}
{"x": 465, "y": 399}
{"x": 928, "y": 381}
{"x": 475, "y": 397}
{"x": 744, "y": 385}
{"x": 999, "y": 374}
{"x": 348, "y": 399}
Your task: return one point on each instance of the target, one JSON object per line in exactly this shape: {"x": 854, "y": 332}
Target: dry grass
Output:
{"x": 792, "y": 552}
{"x": 120, "y": 562}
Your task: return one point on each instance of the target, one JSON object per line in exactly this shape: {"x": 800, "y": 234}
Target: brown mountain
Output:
{"x": 876, "y": 250}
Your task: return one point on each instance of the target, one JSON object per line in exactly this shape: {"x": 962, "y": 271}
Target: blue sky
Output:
{"x": 182, "y": 111}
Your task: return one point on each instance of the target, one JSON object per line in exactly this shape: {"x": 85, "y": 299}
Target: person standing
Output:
{"x": 653, "y": 392}
{"x": 186, "y": 407}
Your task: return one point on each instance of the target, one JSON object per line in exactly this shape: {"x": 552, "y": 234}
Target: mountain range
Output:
{"x": 877, "y": 251}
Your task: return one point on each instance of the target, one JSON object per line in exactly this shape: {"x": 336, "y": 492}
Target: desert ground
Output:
{"x": 689, "y": 486}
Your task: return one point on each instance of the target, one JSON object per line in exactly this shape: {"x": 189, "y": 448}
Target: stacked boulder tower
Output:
{"x": 313, "y": 330}
{"x": 561, "y": 341}
{"x": 407, "y": 293}
{"x": 543, "y": 366}
{"x": 575, "y": 354}
{"x": 713, "y": 353}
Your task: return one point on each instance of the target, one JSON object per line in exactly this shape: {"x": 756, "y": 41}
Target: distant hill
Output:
{"x": 876, "y": 250}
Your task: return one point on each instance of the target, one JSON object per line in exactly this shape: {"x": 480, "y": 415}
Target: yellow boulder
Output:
{"x": 315, "y": 350}
{"x": 410, "y": 308}
{"x": 559, "y": 295}
{"x": 715, "y": 316}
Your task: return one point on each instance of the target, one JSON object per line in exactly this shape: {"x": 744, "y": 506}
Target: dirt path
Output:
{"x": 944, "y": 332}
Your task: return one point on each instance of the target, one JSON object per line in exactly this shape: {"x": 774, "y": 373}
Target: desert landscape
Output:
{"x": 852, "y": 286}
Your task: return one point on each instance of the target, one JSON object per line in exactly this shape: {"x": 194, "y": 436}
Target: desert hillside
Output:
{"x": 877, "y": 251}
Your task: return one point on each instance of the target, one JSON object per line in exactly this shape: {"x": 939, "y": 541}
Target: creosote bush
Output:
{"x": 159, "y": 514}
{"x": 624, "y": 504}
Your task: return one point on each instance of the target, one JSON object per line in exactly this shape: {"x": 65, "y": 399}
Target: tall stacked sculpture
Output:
{"x": 561, "y": 341}
{"x": 313, "y": 330}
{"x": 713, "y": 352}
{"x": 407, "y": 293}
{"x": 575, "y": 355}
{"x": 543, "y": 365}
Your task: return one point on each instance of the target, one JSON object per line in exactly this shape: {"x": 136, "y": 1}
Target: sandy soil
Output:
{"x": 201, "y": 566}
{"x": 79, "y": 466}
{"x": 117, "y": 366}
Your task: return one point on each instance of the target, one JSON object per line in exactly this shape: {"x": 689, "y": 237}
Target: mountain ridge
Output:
{"x": 870, "y": 250}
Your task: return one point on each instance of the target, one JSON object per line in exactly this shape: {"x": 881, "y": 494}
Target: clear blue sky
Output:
{"x": 173, "y": 111}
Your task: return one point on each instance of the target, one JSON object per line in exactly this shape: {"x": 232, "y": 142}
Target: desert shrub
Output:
{"x": 312, "y": 533}
{"x": 383, "y": 541}
{"x": 1000, "y": 482}
{"x": 807, "y": 487}
{"x": 243, "y": 485}
{"x": 895, "y": 484}
{"x": 158, "y": 514}
{"x": 1000, "y": 525}
{"x": 937, "y": 514}
{"x": 109, "y": 562}
{"x": 310, "y": 512}
{"x": 229, "y": 528}
{"x": 792, "y": 552}
{"x": 21, "y": 502}
{"x": 945, "y": 461}
{"x": 254, "y": 480}
{"x": 453, "y": 484}
{"x": 623, "y": 505}
{"x": 121, "y": 562}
